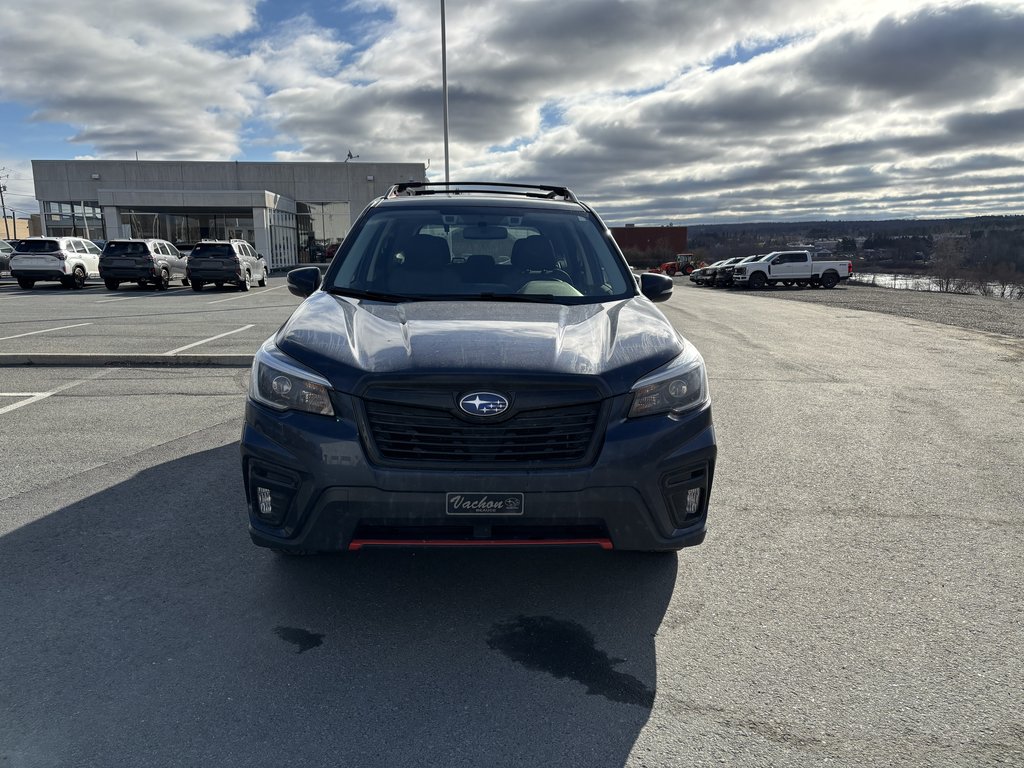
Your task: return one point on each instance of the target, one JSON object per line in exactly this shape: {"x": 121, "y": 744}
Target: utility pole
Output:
{"x": 444, "y": 90}
{"x": 3, "y": 205}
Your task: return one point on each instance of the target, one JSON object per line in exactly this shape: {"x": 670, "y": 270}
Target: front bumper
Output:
{"x": 312, "y": 476}
{"x": 134, "y": 272}
{"x": 214, "y": 274}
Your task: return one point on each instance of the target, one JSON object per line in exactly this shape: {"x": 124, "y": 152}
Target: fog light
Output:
{"x": 266, "y": 501}
{"x": 692, "y": 501}
{"x": 271, "y": 493}
{"x": 686, "y": 494}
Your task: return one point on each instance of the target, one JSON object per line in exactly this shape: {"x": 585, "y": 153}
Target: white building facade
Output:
{"x": 293, "y": 213}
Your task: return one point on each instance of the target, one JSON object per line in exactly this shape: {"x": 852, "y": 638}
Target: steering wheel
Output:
{"x": 561, "y": 274}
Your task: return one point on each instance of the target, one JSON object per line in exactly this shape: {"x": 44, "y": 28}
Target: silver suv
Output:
{"x": 71, "y": 260}
{"x": 225, "y": 261}
{"x": 145, "y": 261}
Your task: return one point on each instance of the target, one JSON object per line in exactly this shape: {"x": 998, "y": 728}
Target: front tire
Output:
{"x": 757, "y": 280}
{"x": 263, "y": 280}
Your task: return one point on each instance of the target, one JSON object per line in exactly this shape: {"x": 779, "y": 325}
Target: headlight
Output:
{"x": 740, "y": 271}
{"x": 282, "y": 383}
{"x": 676, "y": 387}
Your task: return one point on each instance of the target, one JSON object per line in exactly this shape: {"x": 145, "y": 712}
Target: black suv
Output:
{"x": 477, "y": 366}
{"x": 225, "y": 261}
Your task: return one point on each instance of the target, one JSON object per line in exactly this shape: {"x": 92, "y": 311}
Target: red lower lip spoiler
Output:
{"x": 358, "y": 544}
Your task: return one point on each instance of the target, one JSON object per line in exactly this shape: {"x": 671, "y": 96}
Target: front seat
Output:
{"x": 426, "y": 268}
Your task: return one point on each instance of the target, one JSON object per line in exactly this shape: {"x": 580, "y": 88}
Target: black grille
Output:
{"x": 549, "y": 436}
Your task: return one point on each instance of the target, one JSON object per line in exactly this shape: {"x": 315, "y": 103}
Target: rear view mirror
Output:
{"x": 485, "y": 232}
{"x": 303, "y": 281}
{"x": 656, "y": 287}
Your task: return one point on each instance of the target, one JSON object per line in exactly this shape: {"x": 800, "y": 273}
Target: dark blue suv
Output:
{"x": 478, "y": 367}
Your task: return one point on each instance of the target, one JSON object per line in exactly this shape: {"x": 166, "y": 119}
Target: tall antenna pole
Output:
{"x": 444, "y": 90}
{"x": 3, "y": 188}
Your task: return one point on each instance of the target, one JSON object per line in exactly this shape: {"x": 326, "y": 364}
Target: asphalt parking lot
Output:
{"x": 51, "y": 325}
{"x": 857, "y": 601}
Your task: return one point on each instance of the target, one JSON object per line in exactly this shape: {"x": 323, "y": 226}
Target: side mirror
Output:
{"x": 303, "y": 281}
{"x": 655, "y": 287}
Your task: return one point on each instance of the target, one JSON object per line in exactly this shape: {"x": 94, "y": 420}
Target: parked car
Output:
{"x": 423, "y": 396}
{"x": 145, "y": 261}
{"x": 711, "y": 275}
{"x": 793, "y": 268}
{"x": 723, "y": 276}
{"x": 703, "y": 275}
{"x": 226, "y": 261}
{"x": 6, "y": 249}
{"x": 70, "y": 260}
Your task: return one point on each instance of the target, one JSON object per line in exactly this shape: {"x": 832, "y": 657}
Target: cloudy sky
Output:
{"x": 687, "y": 111}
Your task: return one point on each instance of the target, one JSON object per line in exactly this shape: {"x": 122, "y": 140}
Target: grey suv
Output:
{"x": 6, "y": 249}
{"x": 477, "y": 366}
{"x": 226, "y": 261}
{"x": 146, "y": 261}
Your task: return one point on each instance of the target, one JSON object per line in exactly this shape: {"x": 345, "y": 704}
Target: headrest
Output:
{"x": 426, "y": 252}
{"x": 534, "y": 253}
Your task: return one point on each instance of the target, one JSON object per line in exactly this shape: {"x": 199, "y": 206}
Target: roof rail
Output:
{"x": 481, "y": 188}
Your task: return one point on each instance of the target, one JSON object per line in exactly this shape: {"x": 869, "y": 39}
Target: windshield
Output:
{"x": 37, "y": 246}
{"x": 126, "y": 249}
{"x": 207, "y": 250}
{"x": 479, "y": 252}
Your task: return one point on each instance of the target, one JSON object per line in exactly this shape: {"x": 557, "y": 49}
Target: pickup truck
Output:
{"x": 792, "y": 268}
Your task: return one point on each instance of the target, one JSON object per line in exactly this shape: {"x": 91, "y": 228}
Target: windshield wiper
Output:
{"x": 528, "y": 297}
{"x": 355, "y": 293}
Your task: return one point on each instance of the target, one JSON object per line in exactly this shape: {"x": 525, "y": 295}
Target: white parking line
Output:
{"x": 47, "y": 330}
{"x": 247, "y": 295}
{"x": 212, "y": 338}
{"x": 141, "y": 296}
{"x": 31, "y": 397}
{"x": 35, "y": 397}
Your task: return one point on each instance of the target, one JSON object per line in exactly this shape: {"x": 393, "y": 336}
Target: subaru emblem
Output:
{"x": 484, "y": 404}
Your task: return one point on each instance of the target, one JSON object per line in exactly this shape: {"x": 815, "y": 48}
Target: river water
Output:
{"x": 923, "y": 283}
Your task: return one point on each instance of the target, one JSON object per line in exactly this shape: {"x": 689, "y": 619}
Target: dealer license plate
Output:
{"x": 484, "y": 503}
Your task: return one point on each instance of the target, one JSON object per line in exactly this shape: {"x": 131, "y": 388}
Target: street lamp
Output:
{"x": 444, "y": 91}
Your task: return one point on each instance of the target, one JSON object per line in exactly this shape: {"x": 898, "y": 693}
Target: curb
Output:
{"x": 101, "y": 359}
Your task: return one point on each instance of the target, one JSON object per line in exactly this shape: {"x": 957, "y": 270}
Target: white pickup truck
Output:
{"x": 792, "y": 268}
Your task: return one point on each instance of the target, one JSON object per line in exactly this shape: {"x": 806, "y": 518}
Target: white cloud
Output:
{"x": 746, "y": 108}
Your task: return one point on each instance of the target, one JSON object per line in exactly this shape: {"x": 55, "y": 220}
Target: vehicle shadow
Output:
{"x": 140, "y": 626}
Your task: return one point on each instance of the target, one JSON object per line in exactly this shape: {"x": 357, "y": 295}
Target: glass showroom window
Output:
{"x": 74, "y": 219}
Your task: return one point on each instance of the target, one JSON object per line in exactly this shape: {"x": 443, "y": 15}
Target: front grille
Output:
{"x": 549, "y": 436}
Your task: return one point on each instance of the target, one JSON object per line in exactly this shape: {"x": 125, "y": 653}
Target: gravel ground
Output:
{"x": 977, "y": 313}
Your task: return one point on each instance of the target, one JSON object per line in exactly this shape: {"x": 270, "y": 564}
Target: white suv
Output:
{"x": 71, "y": 260}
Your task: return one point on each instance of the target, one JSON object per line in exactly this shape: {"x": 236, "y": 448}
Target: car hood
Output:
{"x": 346, "y": 339}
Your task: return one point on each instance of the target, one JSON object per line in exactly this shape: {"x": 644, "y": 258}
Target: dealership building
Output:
{"x": 291, "y": 212}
